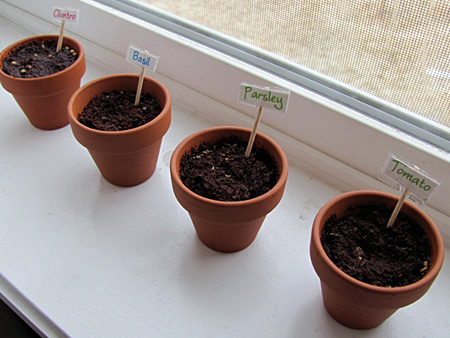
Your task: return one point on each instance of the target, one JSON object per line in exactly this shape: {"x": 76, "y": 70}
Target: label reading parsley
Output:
{"x": 275, "y": 100}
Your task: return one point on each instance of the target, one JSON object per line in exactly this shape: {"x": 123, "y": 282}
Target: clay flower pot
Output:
{"x": 360, "y": 305}
{"x": 126, "y": 157}
{"x": 227, "y": 226}
{"x": 44, "y": 99}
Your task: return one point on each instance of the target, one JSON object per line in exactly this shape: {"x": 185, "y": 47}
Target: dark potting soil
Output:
{"x": 363, "y": 247}
{"x": 37, "y": 60}
{"x": 115, "y": 111}
{"x": 220, "y": 171}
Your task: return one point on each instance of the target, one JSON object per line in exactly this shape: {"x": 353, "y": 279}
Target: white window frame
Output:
{"x": 381, "y": 110}
{"x": 324, "y": 137}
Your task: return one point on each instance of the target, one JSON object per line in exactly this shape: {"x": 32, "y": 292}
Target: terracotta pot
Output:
{"x": 227, "y": 226}
{"x": 360, "y": 305}
{"x": 127, "y": 157}
{"x": 44, "y": 100}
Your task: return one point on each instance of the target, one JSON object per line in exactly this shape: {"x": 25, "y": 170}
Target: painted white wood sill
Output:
{"x": 80, "y": 257}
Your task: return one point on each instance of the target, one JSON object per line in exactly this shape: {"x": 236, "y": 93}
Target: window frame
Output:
{"x": 323, "y": 134}
{"x": 372, "y": 106}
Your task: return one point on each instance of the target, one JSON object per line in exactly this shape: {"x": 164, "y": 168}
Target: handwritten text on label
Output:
{"x": 142, "y": 59}
{"x": 67, "y": 14}
{"x": 273, "y": 99}
{"x": 409, "y": 177}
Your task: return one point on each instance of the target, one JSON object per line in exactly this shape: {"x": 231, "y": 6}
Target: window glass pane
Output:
{"x": 397, "y": 50}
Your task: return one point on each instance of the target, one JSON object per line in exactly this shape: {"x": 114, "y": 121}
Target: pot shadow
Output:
{"x": 21, "y": 135}
{"x": 230, "y": 286}
{"x": 166, "y": 158}
{"x": 132, "y": 216}
{"x": 315, "y": 321}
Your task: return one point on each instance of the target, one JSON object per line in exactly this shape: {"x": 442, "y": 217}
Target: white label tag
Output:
{"x": 142, "y": 58}
{"x": 397, "y": 172}
{"x": 69, "y": 15}
{"x": 275, "y": 100}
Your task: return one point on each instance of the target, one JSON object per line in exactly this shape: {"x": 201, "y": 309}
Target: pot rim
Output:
{"x": 279, "y": 185}
{"x": 164, "y": 111}
{"x": 17, "y": 44}
{"x": 428, "y": 278}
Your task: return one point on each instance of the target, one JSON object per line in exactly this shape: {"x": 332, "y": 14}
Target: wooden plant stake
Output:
{"x": 275, "y": 100}
{"x": 144, "y": 60}
{"x": 397, "y": 208}
{"x": 139, "y": 87}
{"x": 253, "y": 134}
{"x": 415, "y": 182}
{"x": 63, "y": 15}
{"x": 61, "y": 36}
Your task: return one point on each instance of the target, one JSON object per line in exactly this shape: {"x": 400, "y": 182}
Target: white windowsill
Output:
{"x": 83, "y": 258}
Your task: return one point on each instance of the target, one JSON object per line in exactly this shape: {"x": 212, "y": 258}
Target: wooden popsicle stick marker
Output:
{"x": 397, "y": 208}
{"x": 139, "y": 87}
{"x": 251, "y": 140}
{"x": 61, "y": 36}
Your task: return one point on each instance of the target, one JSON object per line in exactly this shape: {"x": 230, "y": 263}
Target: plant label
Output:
{"x": 69, "y": 15}
{"x": 142, "y": 58}
{"x": 400, "y": 174}
{"x": 276, "y": 100}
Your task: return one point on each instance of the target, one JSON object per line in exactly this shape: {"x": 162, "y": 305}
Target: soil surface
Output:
{"x": 363, "y": 247}
{"x": 221, "y": 172}
{"x": 115, "y": 111}
{"x": 35, "y": 60}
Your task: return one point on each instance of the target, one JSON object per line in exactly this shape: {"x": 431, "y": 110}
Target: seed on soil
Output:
{"x": 25, "y": 61}
{"x": 425, "y": 266}
{"x": 205, "y": 172}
